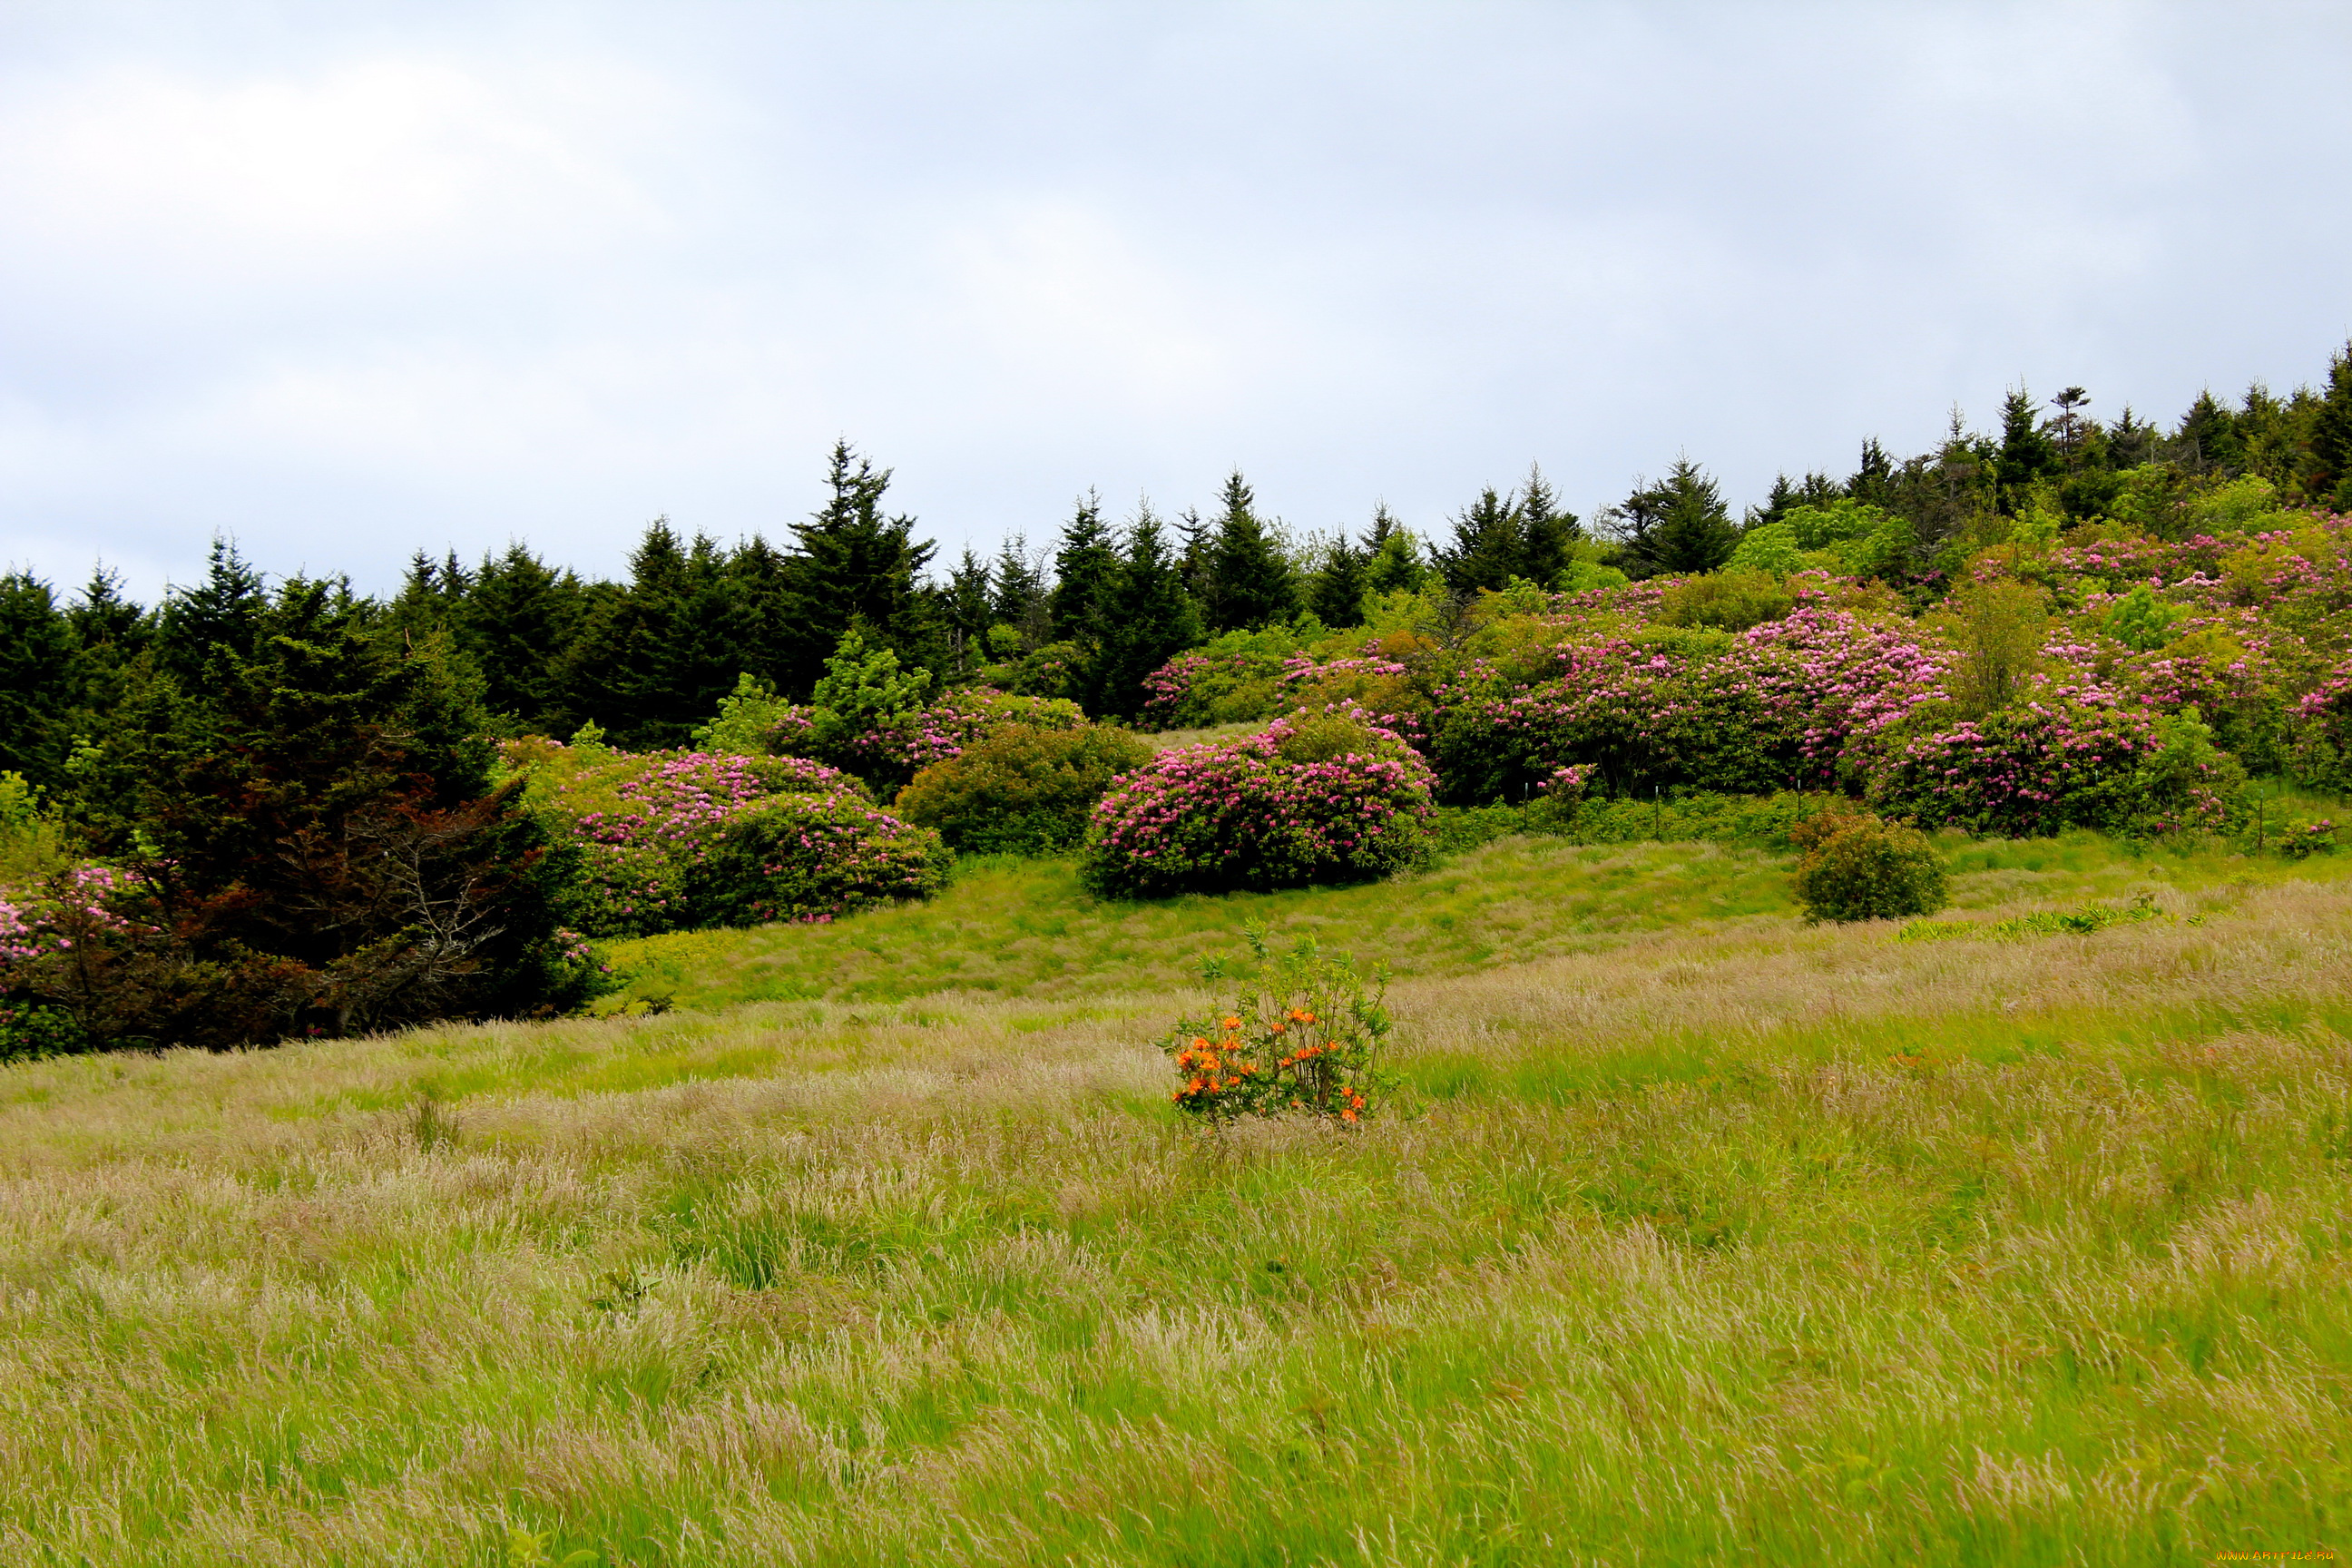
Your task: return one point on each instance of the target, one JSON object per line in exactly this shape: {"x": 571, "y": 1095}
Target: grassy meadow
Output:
{"x": 1698, "y": 1234}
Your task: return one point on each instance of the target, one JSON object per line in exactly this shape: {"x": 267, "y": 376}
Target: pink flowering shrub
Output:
{"x": 1197, "y": 690}
{"x": 899, "y": 747}
{"x": 1315, "y": 798}
{"x": 2322, "y": 757}
{"x": 675, "y": 839}
{"x": 2076, "y": 758}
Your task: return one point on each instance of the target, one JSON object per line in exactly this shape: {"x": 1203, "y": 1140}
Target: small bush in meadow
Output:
{"x": 1021, "y": 791}
{"x": 1871, "y": 870}
{"x": 1302, "y": 1037}
{"x": 1318, "y": 798}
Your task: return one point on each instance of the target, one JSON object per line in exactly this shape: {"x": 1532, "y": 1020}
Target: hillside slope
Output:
{"x": 1706, "y": 1234}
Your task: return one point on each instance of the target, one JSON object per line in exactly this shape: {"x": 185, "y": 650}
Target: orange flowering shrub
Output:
{"x": 1303, "y": 1035}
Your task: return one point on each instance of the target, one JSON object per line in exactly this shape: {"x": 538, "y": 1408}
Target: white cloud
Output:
{"x": 458, "y": 274}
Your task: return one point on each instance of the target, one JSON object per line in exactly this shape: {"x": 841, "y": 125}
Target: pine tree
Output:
{"x": 1085, "y": 563}
{"x": 2327, "y": 479}
{"x": 1335, "y": 592}
{"x": 37, "y": 678}
{"x": 222, "y": 613}
{"x": 1548, "y": 531}
{"x": 1020, "y": 600}
{"x": 2027, "y": 452}
{"x": 1250, "y": 581}
{"x": 2210, "y": 433}
{"x": 857, "y": 564}
{"x": 968, "y": 603}
{"x": 2067, "y": 427}
{"x": 1150, "y": 619}
{"x": 1678, "y": 526}
{"x": 1489, "y": 545}
{"x": 1394, "y": 565}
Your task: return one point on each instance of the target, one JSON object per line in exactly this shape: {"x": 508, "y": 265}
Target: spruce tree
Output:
{"x": 1549, "y": 533}
{"x": 968, "y": 602}
{"x": 1873, "y": 476}
{"x": 519, "y": 621}
{"x": 1020, "y": 599}
{"x": 109, "y": 633}
{"x": 1678, "y": 526}
{"x": 857, "y": 564}
{"x": 1489, "y": 545}
{"x": 1250, "y": 581}
{"x": 757, "y": 591}
{"x": 1335, "y": 592}
{"x": 1394, "y": 565}
{"x": 1086, "y": 562}
{"x": 37, "y": 678}
{"x": 2027, "y": 452}
{"x": 2327, "y": 480}
{"x": 2209, "y": 433}
{"x": 1148, "y": 619}
{"x": 221, "y": 613}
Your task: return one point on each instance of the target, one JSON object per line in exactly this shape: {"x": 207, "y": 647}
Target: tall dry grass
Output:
{"x": 1751, "y": 1240}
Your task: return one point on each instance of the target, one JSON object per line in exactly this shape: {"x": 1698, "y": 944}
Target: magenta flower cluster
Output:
{"x": 909, "y": 742}
{"x": 37, "y": 926}
{"x": 675, "y": 839}
{"x": 1265, "y": 811}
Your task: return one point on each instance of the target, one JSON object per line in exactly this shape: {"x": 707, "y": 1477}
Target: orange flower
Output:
{"x": 1348, "y": 1115}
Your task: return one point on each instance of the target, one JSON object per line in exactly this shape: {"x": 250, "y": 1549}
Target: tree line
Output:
{"x": 536, "y": 648}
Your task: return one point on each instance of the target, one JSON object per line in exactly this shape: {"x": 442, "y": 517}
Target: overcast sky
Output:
{"x": 345, "y": 281}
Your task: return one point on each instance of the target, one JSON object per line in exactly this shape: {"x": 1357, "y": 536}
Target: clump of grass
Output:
{"x": 2083, "y": 922}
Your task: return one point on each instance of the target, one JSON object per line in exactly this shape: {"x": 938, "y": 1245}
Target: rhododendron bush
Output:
{"x": 1318, "y": 798}
{"x": 684, "y": 838}
{"x": 902, "y": 745}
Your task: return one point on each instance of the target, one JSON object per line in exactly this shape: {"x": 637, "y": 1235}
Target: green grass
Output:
{"x": 1698, "y": 1236}
{"x": 1010, "y": 927}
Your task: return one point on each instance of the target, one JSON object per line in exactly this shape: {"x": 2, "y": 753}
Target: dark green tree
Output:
{"x": 37, "y": 679}
{"x": 1548, "y": 531}
{"x": 1149, "y": 620}
{"x": 320, "y": 840}
{"x": 857, "y": 563}
{"x": 968, "y": 603}
{"x": 1336, "y": 592}
{"x": 1249, "y": 581}
{"x": 2327, "y": 479}
{"x": 1020, "y": 599}
{"x": 2208, "y": 438}
{"x": 222, "y": 612}
{"x": 1676, "y": 527}
{"x": 519, "y": 621}
{"x": 1393, "y": 562}
{"x": 108, "y": 632}
{"x": 1085, "y": 564}
{"x": 2027, "y": 452}
{"x": 1489, "y": 544}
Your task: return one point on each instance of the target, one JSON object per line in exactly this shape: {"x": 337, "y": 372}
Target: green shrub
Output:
{"x": 1871, "y": 870}
{"x": 1729, "y": 601}
{"x": 29, "y": 1029}
{"x": 1023, "y": 790}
